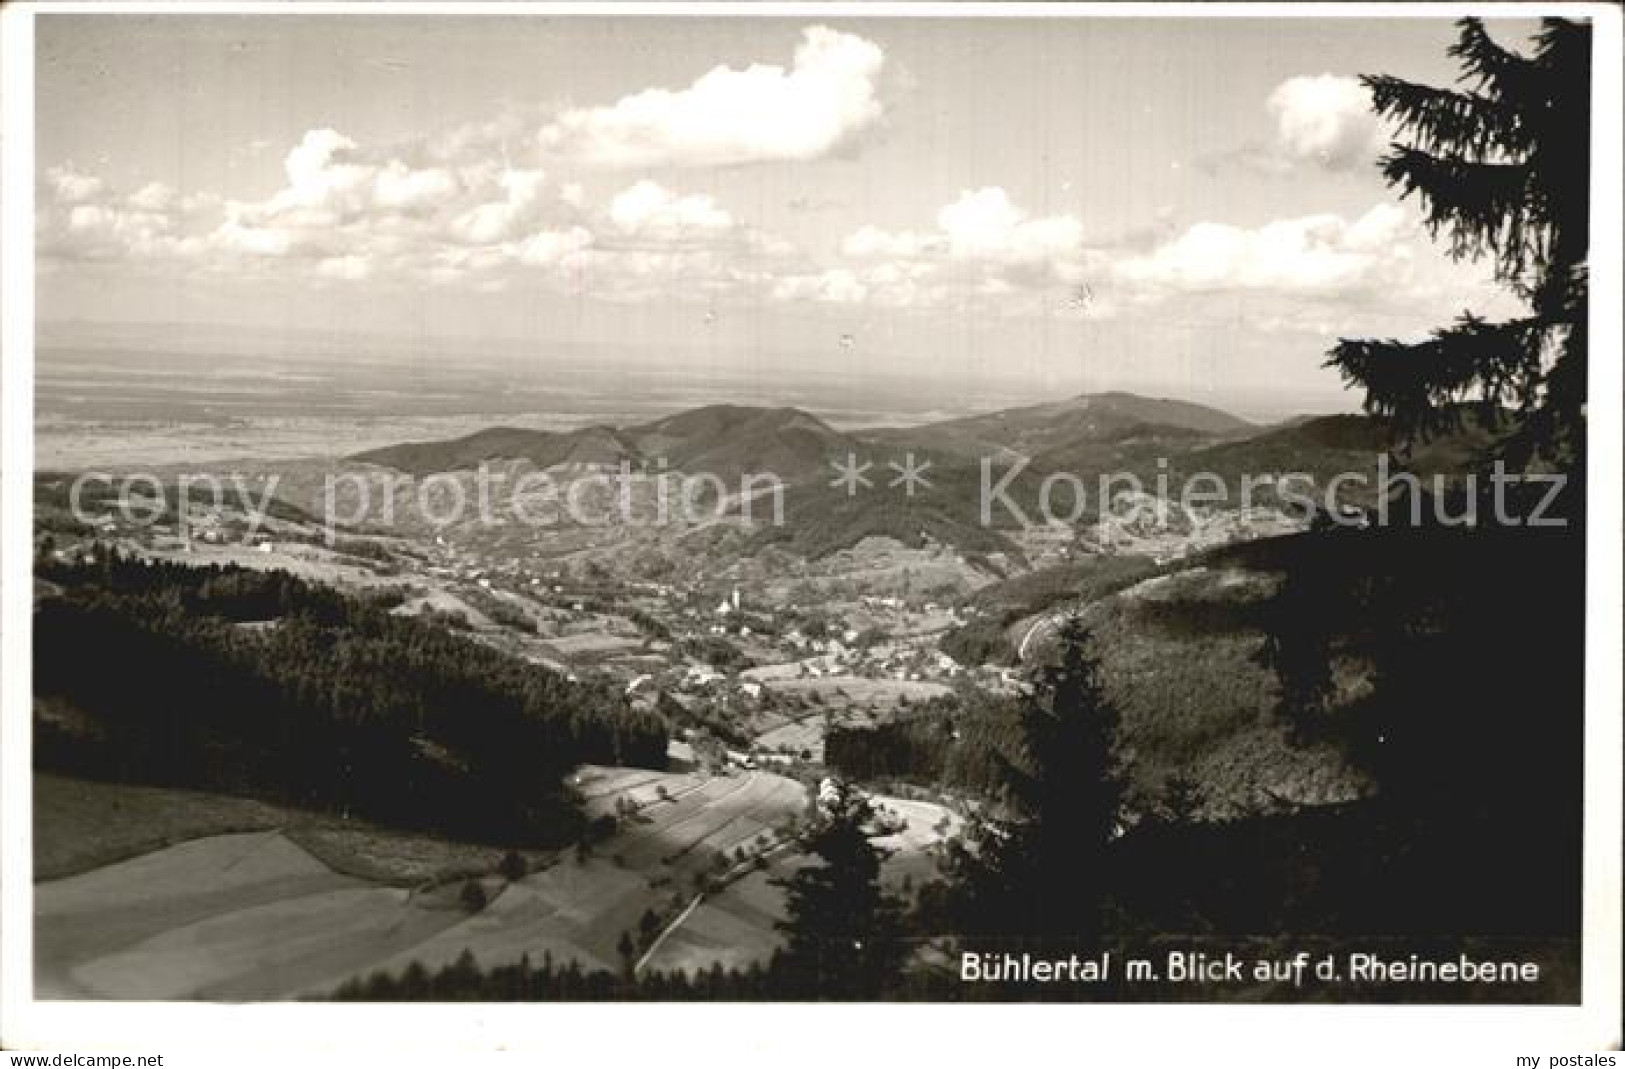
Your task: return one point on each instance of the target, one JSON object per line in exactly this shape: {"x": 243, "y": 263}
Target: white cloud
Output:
{"x": 80, "y": 217}
{"x": 403, "y": 215}
{"x": 984, "y": 245}
{"x": 828, "y": 96}
{"x": 1320, "y": 122}
{"x": 68, "y": 186}
{"x": 234, "y": 236}
{"x": 349, "y": 212}
{"x": 872, "y": 242}
{"x": 1325, "y": 119}
{"x": 353, "y": 213}
{"x": 1312, "y": 252}
{"x": 153, "y": 197}
{"x": 346, "y": 212}
{"x": 94, "y": 223}
{"x": 650, "y": 209}
{"x": 333, "y": 183}
{"x": 1376, "y": 274}
{"x": 470, "y": 205}
{"x": 503, "y": 217}
{"x": 397, "y": 186}
{"x": 324, "y": 175}
{"x": 985, "y": 225}
{"x": 982, "y": 225}
{"x": 1380, "y": 226}
{"x": 548, "y": 247}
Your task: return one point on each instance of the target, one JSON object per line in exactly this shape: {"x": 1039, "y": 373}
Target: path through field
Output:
{"x": 579, "y": 909}
{"x": 736, "y": 926}
{"x": 254, "y": 916}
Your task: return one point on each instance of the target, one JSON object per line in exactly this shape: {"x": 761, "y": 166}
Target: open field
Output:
{"x": 309, "y": 562}
{"x": 84, "y": 919}
{"x": 80, "y": 825}
{"x": 737, "y": 925}
{"x": 805, "y": 735}
{"x": 860, "y": 690}
{"x": 843, "y": 699}
{"x": 290, "y": 945}
{"x": 578, "y": 908}
{"x": 255, "y": 914}
{"x": 442, "y": 601}
{"x": 913, "y": 848}
{"x": 600, "y": 786}
{"x": 592, "y": 644}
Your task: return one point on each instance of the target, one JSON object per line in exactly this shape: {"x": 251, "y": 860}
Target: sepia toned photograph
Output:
{"x": 803, "y": 506}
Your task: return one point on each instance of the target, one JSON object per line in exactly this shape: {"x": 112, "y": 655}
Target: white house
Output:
{"x": 700, "y": 675}
{"x": 830, "y": 793}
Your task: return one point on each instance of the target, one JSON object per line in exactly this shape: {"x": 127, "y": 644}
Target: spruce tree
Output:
{"x": 1041, "y": 874}
{"x": 1501, "y": 167}
{"x": 1070, "y": 795}
{"x": 841, "y": 924}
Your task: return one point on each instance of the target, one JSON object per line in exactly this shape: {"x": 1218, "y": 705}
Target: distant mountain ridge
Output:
{"x": 723, "y": 440}
{"x": 733, "y": 440}
{"x": 545, "y": 449}
{"x": 730, "y": 440}
{"x": 1082, "y": 439}
{"x": 1035, "y": 429}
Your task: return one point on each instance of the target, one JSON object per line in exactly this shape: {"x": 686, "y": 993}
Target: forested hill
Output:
{"x": 261, "y": 684}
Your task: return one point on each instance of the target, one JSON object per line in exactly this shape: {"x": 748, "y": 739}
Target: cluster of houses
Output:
{"x": 1168, "y": 531}
{"x": 830, "y": 645}
{"x": 209, "y": 529}
{"x": 894, "y": 660}
{"x": 913, "y": 664}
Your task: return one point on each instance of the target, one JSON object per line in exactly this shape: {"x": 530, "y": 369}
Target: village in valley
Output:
{"x": 713, "y": 509}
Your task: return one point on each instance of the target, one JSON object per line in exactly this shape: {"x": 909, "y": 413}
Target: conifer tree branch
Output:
{"x": 1419, "y": 385}
{"x": 1486, "y": 63}
{"x": 1448, "y": 121}
{"x": 1483, "y": 206}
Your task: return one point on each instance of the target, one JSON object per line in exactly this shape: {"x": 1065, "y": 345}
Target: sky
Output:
{"x": 1184, "y": 206}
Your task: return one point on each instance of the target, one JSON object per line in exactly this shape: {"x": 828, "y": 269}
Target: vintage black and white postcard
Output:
{"x": 806, "y": 504}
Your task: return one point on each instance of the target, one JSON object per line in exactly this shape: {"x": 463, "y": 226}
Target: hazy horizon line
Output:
{"x": 199, "y": 338}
